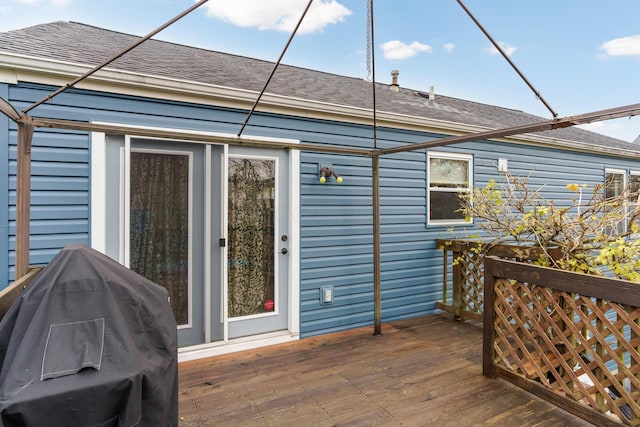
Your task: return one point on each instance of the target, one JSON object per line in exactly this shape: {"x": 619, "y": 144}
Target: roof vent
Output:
{"x": 394, "y": 80}
{"x": 432, "y": 93}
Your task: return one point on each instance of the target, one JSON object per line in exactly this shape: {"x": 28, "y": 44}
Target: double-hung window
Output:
{"x": 615, "y": 181}
{"x": 449, "y": 176}
{"x": 615, "y": 184}
{"x": 634, "y": 189}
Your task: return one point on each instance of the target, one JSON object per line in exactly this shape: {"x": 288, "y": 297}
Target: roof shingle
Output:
{"x": 89, "y": 45}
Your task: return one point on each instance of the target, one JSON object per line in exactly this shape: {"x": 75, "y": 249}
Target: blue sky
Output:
{"x": 582, "y": 55}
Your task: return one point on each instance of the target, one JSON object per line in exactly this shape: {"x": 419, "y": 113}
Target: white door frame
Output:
{"x": 98, "y": 216}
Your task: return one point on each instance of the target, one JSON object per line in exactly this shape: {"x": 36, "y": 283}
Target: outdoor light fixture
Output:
{"x": 326, "y": 173}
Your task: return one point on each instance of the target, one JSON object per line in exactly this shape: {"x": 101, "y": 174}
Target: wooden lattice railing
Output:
{"x": 463, "y": 274}
{"x": 570, "y": 338}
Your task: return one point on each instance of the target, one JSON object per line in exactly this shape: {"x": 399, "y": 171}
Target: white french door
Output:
{"x": 214, "y": 225}
{"x": 162, "y": 218}
{"x": 257, "y": 250}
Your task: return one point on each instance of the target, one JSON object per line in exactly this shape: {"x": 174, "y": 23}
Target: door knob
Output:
{"x": 283, "y": 251}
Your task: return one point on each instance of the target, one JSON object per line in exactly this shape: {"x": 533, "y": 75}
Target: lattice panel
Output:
{"x": 472, "y": 272}
{"x": 583, "y": 348}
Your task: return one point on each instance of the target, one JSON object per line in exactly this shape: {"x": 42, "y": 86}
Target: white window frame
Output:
{"x": 633, "y": 173}
{"x": 625, "y": 180}
{"x": 633, "y": 205}
{"x": 612, "y": 171}
{"x": 450, "y": 156}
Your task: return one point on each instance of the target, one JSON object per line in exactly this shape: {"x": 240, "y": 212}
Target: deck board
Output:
{"x": 423, "y": 371}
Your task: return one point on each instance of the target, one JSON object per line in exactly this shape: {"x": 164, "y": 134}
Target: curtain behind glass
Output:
{"x": 448, "y": 172}
{"x": 159, "y": 239}
{"x": 251, "y": 236}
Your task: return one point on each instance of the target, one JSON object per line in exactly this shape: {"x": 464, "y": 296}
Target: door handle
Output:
{"x": 283, "y": 251}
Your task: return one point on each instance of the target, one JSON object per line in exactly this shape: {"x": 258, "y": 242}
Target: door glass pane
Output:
{"x": 251, "y": 236}
{"x": 159, "y": 237}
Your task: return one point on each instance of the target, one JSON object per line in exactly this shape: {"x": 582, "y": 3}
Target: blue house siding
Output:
{"x": 411, "y": 264}
{"x": 336, "y": 219}
{"x": 59, "y": 185}
{"x": 339, "y": 208}
{"x": 59, "y": 194}
{"x": 336, "y": 243}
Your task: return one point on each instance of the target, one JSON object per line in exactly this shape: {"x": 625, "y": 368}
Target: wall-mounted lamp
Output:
{"x": 327, "y": 172}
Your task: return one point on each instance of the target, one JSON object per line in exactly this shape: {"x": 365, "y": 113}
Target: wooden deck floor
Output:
{"x": 424, "y": 371}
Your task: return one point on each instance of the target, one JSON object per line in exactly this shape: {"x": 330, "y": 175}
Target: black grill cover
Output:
{"x": 89, "y": 343}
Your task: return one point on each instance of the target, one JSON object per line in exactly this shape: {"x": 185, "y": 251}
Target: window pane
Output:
{"x": 634, "y": 184}
{"x": 451, "y": 173}
{"x": 159, "y": 237}
{"x": 443, "y": 206}
{"x": 251, "y": 236}
{"x": 614, "y": 184}
{"x": 614, "y": 187}
{"x": 634, "y": 187}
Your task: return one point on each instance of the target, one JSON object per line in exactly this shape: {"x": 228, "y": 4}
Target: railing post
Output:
{"x": 488, "y": 333}
{"x": 456, "y": 297}
{"x": 635, "y": 420}
{"x": 445, "y": 283}
{"x": 600, "y": 399}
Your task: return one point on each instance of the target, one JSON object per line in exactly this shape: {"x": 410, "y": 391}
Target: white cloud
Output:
{"x": 625, "y": 46}
{"x": 598, "y": 126}
{"x": 395, "y": 49}
{"x": 52, "y": 2}
{"x": 449, "y": 47}
{"x": 505, "y": 47}
{"x": 279, "y": 15}
{"x": 618, "y": 128}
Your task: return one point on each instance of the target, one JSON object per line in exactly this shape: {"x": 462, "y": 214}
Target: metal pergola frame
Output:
{"x": 27, "y": 124}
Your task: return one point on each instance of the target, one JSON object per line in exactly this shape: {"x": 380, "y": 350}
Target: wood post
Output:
{"x": 488, "y": 329}
{"x": 457, "y": 283}
{"x": 445, "y": 265}
{"x": 635, "y": 418}
{"x": 23, "y": 197}
{"x": 600, "y": 351}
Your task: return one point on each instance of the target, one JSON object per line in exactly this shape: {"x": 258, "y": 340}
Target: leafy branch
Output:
{"x": 590, "y": 233}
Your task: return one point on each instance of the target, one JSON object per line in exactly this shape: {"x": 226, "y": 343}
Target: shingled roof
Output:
{"x": 84, "y": 44}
